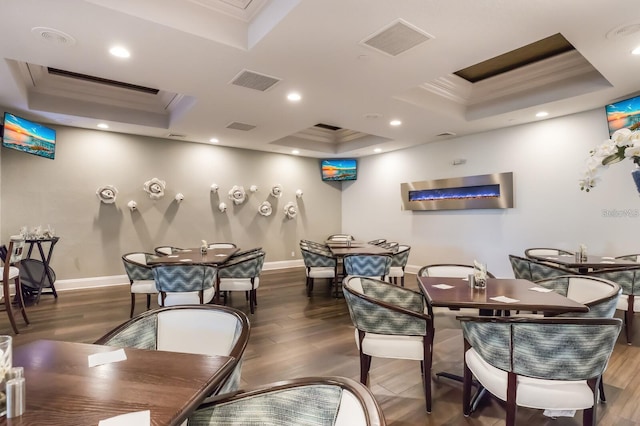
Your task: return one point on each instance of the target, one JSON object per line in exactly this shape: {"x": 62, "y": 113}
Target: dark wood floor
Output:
{"x": 295, "y": 336}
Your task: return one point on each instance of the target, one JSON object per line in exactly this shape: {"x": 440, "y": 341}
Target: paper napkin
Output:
{"x": 106, "y": 357}
{"x": 541, "y": 289}
{"x": 504, "y": 299}
{"x": 137, "y": 418}
{"x": 442, "y": 286}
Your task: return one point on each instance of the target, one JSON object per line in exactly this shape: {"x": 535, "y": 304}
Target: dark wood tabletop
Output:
{"x": 463, "y": 296}
{"x": 63, "y": 390}
{"x": 592, "y": 262}
{"x": 359, "y": 248}
{"x": 213, "y": 256}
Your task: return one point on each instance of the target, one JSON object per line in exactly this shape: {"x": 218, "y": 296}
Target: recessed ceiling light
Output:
{"x": 377, "y": 150}
{"x": 542, "y": 114}
{"x": 119, "y": 52}
{"x": 214, "y": 140}
{"x": 103, "y": 126}
{"x": 395, "y": 122}
{"x": 294, "y": 96}
{"x": 295, "y": 152}
{"x": 636, "y": 51}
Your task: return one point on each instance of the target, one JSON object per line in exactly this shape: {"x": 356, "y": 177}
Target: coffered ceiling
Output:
{"x": 222, "y": 69}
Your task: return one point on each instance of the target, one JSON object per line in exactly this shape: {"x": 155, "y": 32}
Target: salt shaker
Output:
{"x": 16, "y": 397}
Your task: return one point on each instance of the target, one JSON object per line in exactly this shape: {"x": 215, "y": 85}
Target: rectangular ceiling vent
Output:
{"x": 328, "y": 127}
{"x": 254, "y": 80}
{"x": 240, "y": 126}
{"x": 176, "y": 135}
{"x": 396, "y": 38}
{"x": 103, "y": 81}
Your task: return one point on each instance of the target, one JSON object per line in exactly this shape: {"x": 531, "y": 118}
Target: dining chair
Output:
{"x": 184, "y": 284}
{"x": 315, "y": 245}
{"x": 629, "y": 279}
{"x": 166, "y": 250}
{"x": 367, "y": 265}
{"x": 140, "y": 277}
{"x": 541, "y": 363}
{"x": 399, "y": 261}
{"x": 390, "y": 322}
{"x": 11, "y": 273}
{"x": 340, "y": 237}
{"x": 377, "y": 241}
{"x": 311, "y": 401}
{"x": 319, "y": 264}
{"x": 390, "y": 245}
{"x": 630, "y": 257}
{"x": 241, "y": 273}
{"x": 535, "y": 270}
{"x": 221, "y": 246}
{"x": 195, "y": 329}
{"x": 543, "y": 251}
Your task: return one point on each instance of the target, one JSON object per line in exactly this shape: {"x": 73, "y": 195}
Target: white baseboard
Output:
{"x": 95, "y": 282}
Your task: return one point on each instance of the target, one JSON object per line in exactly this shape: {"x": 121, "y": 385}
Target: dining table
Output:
{"x": 62, "y": 389}
{"x": 586, "y": 264}
{"x": 345, "y": 248}
{"x": 213, "y": 256}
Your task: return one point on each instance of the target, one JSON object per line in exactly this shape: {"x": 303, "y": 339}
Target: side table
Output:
{"x": 35, "y": 275}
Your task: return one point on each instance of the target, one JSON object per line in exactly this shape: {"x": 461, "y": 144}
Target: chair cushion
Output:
{"x": 144, "y": 286}
{"x": 533, "y": 393}
{"x": 321, "y": 272}
{"x": 13, "y": 272}
{"x": 187, "y": 298}
{"x": 396, "y": 271}
{"x": 350, "y": 412}
{"x": 623, "y": 303}
{"x": 391, "y": 346}
{"x": 238, "y": 284}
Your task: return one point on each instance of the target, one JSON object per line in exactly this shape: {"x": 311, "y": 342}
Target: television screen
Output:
{"x": 624, "y": 114}
{"x": 339, "y": 169}
{"x": 28, "y": 136}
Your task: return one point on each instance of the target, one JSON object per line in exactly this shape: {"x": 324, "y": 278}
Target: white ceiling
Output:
{"x": 191, "y": 50}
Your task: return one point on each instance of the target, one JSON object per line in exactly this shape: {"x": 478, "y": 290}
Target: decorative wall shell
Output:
{"x": 253, "y": 188}
{"x": 179, "y": 197}
{"x": 276, "y": 191}
{"x": 299, "y": 193}
{"x": 265, "y": 209}
{"x": 132, "y": 205}
{"x": 290, "y": 210}
{"x": 107, "y": 194}
{"x": 222, "y": 207}
{"x": 214, "y": 187}
{"x": 237, "y": 194}
{"x": 155, "y": 188}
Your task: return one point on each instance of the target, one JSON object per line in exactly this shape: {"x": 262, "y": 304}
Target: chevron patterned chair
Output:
{"x": 184, "y": 284}
{"x": 242, "y": 273}
{"x": 377, "y": 242}
{"x": 367, "y": 265}
{"x": 541, "y": 363}
{"x": 11, "y": 272}
{"x": 390, "y": 322}
{"x": 534, "y": 270}
{"x": 310, "y": 401}
{"x": 398, "y": 262}
{"x": 543, "y": 251}
{"x": 166, "y": 250}
{"x": 140, "y": 276}
{"x": 630, "y": 257}
{"x": 196, "y": 329}
{"x": 319, "y": 264}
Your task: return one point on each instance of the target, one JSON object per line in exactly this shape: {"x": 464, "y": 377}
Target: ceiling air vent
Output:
{"x": 328, "y": 127}
{"x": 446, "y": 134}
{"x": 254, "y": 80}
{"x": 176, "y": 135}
{"x": 94, "y": 79}
{"x": 396, "y": 38}
{"x": 240, "y": 126}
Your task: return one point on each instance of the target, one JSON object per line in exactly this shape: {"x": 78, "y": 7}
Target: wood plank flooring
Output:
{"x": 294, "y": 336}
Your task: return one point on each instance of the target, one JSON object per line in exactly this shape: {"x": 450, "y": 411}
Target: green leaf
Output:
{"x": 612, "y": 159}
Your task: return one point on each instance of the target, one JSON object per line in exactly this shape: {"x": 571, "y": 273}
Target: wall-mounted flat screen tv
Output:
{"x": 624, "y": 114}
{"x": 339, "y": 169}
{"x": 27, "y": 136}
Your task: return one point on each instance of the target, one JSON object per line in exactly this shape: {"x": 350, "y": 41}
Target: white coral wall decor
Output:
{"x": 214, "y": 187}
{"x": 253, "y": 188}
{"x": 299, "y": 193}
{"x": 132, "y": 205}
{"x": 155, "y": 188}
{"x": 179, "y": 197}
{"x": 107, "y": 194}
{"x": 265, "y": 209}
{"x": 290, "y": 210}
{"x": 276, "y": 190}
{"x": 237, "y": 194}
{"x": 222, "y": 207}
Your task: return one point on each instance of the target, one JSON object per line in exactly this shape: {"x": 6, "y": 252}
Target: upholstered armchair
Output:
{"x": 390, "y": 323}
{"x": 543, "y": 251}
{"x": 242, "y": 273}
{"x": 398, "y": 263}
{"x": 11, "y": 272}
{"x": 313, "y": 401}
{"x": 196, "y": 329}
{"x": 534, "y": 270}
{"x": 166, "y": 250}
{"x": 600, "y": 295}
{"x": 367, "y": 265}
{"x": 377, "y": 241}
{"x": 319, "y": 264}
{"x": 541, "y": 363}
{"x": 140, "y": 276}
{"x": 184, "y": 284}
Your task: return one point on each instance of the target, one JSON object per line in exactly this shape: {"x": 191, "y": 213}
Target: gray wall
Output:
{"x": 61, "y": 193}
{"x": 546, "y": 158}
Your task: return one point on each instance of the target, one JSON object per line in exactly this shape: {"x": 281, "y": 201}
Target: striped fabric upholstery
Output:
{"x": 245, "y": 266}
{"x": 603, "y": 306}
{"x": 183, "y": 278}
{"x": 313, "y": 259}
{"x": 141, "y": 334}
{"x": 627, "y": 278}
{"x": 400, "y": 258}
{"x": 542, "y": 349}
{"x": 630, "y": 257}
{"x": 374, "y": 318}
{"x": 520, "y": 267}
{"x": 135, "y": 265}
{"x": 302, "y": 406}
{"x": 369, "y": 265}
{"x": 534, "y": 270}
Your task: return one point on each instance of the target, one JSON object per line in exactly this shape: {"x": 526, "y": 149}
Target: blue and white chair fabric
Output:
{"x": 196, "y": 329}
{"x": 390, "y": 322}
{"x": 600, "y": 295}
{"x": 140, "y": 276}
{"x": 242, "y": 273}
{"x": 390, "y": 245}
{"x": 540, "y": 363}
{"x": 166, "y": 250}
{"x": 318, "y": 264}
{"x": 313, "y": 401}
{"x": 184, "y": 284}
{"x": 377, "y": 241}
{"x": 367, "y": 265}
{"x": 534, "y": 270}
{"x": 398, "y": 263}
